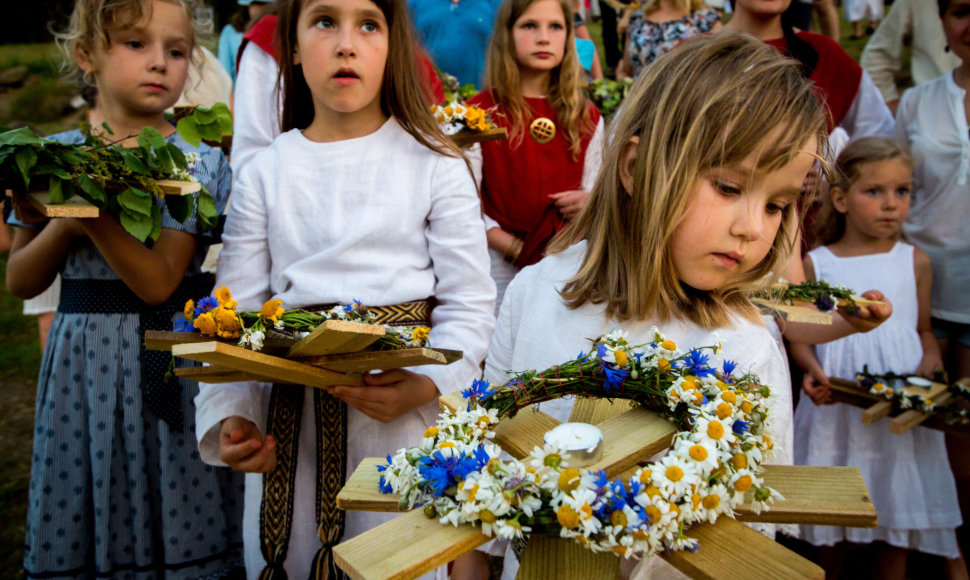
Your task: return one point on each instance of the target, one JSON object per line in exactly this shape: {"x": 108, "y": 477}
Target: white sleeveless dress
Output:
{"x": 908, "y": 475}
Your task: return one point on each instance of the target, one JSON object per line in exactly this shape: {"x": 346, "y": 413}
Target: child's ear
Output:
{"x": 838, "y": 199}
{"x": 83, "y": 58}
{"x": 296, "y": 55}
{"x": 628, "y": 163}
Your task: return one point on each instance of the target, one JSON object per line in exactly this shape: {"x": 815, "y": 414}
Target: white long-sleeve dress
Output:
{"x": 380, "y": 219}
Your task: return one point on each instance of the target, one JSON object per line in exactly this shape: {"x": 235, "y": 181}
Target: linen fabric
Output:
{"x": 908, "y": 475}
{"x": 931, "y": 120}
{"x": 381, "y": 219}
{"x": 256, "y": 114}
{"x": 114, "y": 491}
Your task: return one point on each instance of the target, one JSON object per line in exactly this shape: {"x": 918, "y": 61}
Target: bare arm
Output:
{"x": 932, "y": 360}
{"x": 36, "y": 256}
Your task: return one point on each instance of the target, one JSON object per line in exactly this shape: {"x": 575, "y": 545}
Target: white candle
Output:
{"x": 581, "y": 440}
{"x": 919, "y": 382}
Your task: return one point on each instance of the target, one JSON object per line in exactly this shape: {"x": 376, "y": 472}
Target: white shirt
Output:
{"x": 381, "y": 219}
{"x": 883, "y": 55}
{"x": 931, "y": 119}
{"x": 256, "y": 107}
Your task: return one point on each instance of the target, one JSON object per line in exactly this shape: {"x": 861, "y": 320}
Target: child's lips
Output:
{"x": 346, "y": 76}
{"x": 729, "y": 259}
{"x": 155, "y": 87}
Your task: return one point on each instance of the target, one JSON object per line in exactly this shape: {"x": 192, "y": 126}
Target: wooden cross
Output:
{"x": 876, "y": 406}
{"x": 78, "y": 207}
{"x": 413, "y": 544}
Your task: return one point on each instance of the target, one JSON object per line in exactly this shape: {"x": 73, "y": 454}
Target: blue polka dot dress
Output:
{"x": 114, "y": 491}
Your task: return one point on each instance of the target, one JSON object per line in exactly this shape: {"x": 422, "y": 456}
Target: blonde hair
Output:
{"x": 688, "y": 6}
{"x": 709, "y": 103}
{"x": 565, "y": 94}
{"x": 92, "y": 20}
{"x": 829, "y": 223}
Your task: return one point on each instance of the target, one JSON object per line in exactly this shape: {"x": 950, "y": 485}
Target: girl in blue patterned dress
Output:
{"x": 117, "y": 488}
{"x": 659, "y": 26}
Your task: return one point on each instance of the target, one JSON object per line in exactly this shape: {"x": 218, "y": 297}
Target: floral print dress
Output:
{"x": 648, "y": 40}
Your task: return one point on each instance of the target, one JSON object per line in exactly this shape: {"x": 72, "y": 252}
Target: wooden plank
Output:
{"x": 595, "y": 411}
{"x": 876, "y": 411}
{"x": 406, "y": 547}
{"x": 175, "y": 187}
{"x": 337, "y": 337}
{"x": 516, "y": 435}
{"x": 74, "y": 207}
{"x": 469, "y": 138}
{"x": 631, "y": 438}
{"x": 911, "y": 418}
{"x": 267, "y": 367}
{"x": 359, "y": 362}
{"x": 794, "y": 313}
{"x": 166, "y": 339}
{"x": 216, "y": 375}
{"x": 554, "y": 559}
{"x": 362, "y": 493}
{"x": 732, "y": 550}
{"x": 835, "y": 496}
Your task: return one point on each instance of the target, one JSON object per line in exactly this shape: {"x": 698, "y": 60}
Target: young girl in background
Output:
{"x": 537, "y": 179}
{"x": 361, "y": 198}
{"x": 688, "y": 216}
{"x": 908, "y": 475}
{"x": 116, "y": 489}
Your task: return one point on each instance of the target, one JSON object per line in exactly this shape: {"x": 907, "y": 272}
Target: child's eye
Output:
{"x": 872, "y": 191}
{"x": 370, "y": 26}
{"x": 726, "y": 188}
{"x": 775, "y": 208}
{"x": 903, "y": 191}
{"x": 176, "y": 53}
{"x": 323, "y": 22}
{"x": 133, "y": 44}
{"x": 528, "y": 25}
{"x": 557, "y": 26}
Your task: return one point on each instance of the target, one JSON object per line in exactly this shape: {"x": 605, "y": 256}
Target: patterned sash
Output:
{"x": 285, "y": 411}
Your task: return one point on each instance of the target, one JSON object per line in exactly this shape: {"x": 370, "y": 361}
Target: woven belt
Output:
{"x": 285, "y": 414}
{"x": 163, "y": 395}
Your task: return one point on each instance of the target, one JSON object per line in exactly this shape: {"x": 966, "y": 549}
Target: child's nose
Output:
{"x": 345, "y": 44}
{"x": 158, "y": 59}
{"x": 747, "y": 224}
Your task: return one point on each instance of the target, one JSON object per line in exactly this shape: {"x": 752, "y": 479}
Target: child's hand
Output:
{"x": 871, "y": 316}
{"x": 570, "y": 203}
{"x": 386, "y": 396}
{"x": 816, "y": 386}
{"x": 930, "y": 365}
{"x": 243, "y": 448}
{"x": 25, "y": 212}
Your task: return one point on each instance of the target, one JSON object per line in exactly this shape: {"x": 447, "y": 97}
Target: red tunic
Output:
{"x": 517, "y": 183}
{"x": 836, "y": 75}
{"x": 263, "y": 35}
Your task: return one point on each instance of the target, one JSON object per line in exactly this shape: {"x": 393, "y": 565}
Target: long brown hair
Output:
{"x": 403, "y": 96}
{"x": 830, "y": 223}
{"x": 566, "y": 82}
{"x": 709, "y": 103}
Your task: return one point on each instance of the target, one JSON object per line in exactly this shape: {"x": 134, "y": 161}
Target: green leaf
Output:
{"x": 136, "y": 202}
{"x": 135, "y": 163}
{"x": 211, "y": 132}
{"x": 178, "y": 158}
{"x": 26, "y": 158}
{"x": 107, "y": 128}
{"x": 189, "y": 131}
{"x": 156, "y": 222}
{"x": 55, "y": 190}
{"x": 203, "y": 116}
{"x": 22, "y": 136}
{"x": 206, "y": 210}
{"x": 223, "y": 118}
{"x": 93, "y": 191}
{"x": 42, "y": 168}
{"x": 179, "y": 206}
{"x": 165, "y": 162}
{"x": 139, "y": 226}
{"x": 151, "y": 138}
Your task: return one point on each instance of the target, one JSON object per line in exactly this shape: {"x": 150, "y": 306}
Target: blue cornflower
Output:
{"x": 583, "y": 356}
{"x": 740, "y": 427}
{"x": 479, "y": 391}
{"x": 184, "y": 325}
{"x": 727, "y": 368}
{"x": 614, "y": 377}
{"x": 206, "y": 304}
{"x": 696, "y": 364}
{"x": 824, "y": 303}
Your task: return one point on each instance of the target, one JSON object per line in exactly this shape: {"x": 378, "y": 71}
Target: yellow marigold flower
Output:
{"x": 224, "y": 297}
{"x": 189, "y": 310}
{"x": 569, "y": 479}
{"x": 431, "y": 432}
{"x": 668, "y": 345}
{"x": 420, "y": 333}
{"x": 743, "y": 483}
{"x": 711, "y": 501}
{"x": 739, "y": 461}
{"x": 272, "y": 309}
{"x": 205, "y": 323}
{"x": 567, "y": 516}
{"x": 227, "y": 324}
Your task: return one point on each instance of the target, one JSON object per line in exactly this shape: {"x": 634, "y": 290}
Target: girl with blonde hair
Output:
{"x": 535, "y": 181}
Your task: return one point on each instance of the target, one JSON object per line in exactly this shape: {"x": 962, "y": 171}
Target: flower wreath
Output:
{"x": 823, "y": 295}
{"x": 458, "y": 475}
{"x": 890, "y": 385}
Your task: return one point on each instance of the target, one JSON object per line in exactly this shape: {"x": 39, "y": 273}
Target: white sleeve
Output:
{"x": 883, "y": 55}
{"x": 868, "y": 116}
{"x": 256, "y": 106}
{"x": 502, "y": 347}
{"x": 594, "y": 157}
{"x": 244, "y": 267}
{"x": 464, "y": 290}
